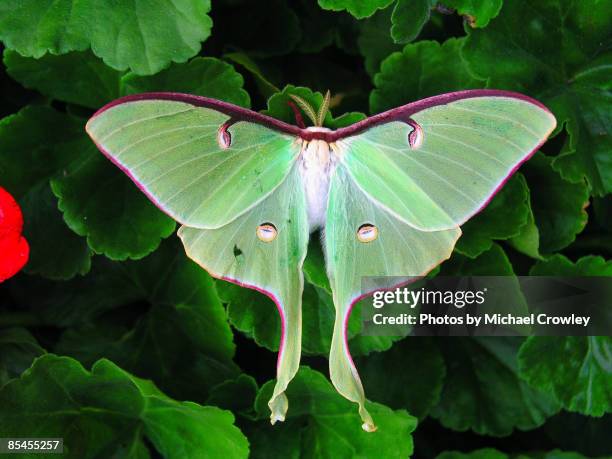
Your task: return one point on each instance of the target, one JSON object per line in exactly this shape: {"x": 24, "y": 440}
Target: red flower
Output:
{"x": 14, "y": 249}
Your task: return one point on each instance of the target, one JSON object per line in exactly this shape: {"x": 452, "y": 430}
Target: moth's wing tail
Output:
{"x": 264, "y": 249}
{"x": 361, "y": 240}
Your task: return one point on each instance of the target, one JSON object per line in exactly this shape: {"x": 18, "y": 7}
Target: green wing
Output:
{"x": 181, "y": 156}
{"x": 445, "y": 171}
{"x": 399, "y": 250}
{"x": 234, "y": 252}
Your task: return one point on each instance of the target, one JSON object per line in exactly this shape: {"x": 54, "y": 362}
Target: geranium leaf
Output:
{"x": 183, "y": 341}
{"x": 577, "y": 370}
{"x": 358, "y": 8}
{"x": 108, "y": 412}
{"x": 202, "y": 76}
{"x": 33, "y": 28}
{"x": 374, "y": 41}
{"x": 556, "y": 52}
{"x": 503, "y": 218}
{"x": 408, "y": 18}
{"x": 237, "y": 395}
{"x": 491, "y": 262}
{"x": 557, "y": 210}
{"x": 77, "y": 77}
{"x": 483, "y": 391}
{"x": 417, "y": 387}
{"x": 18, "y": 348}
{"x": 145, "y": 37}
{"x": 478, "y": 13}
{"x": 319, "y": 420}
{"x": 420, "y": 70}
{"x": 101, "y": 203}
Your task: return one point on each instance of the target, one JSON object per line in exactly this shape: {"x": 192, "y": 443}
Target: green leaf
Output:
{"x": 556, "y": 52}
{"x": 559, "y": 265}
{"x": 374, "y": 41}
{"x": 83, "y": 79}
{"x": 557, "y": 209}
{"x": 358, "y": 8}
{"x": 420, "y": 70}
{"x": 101, "y": 203}
{"x": 56, "y": 252}
{"x": 483, "y": 391}
{"x": 408, "y": 19}
{"x": 417, "y": 375}
{"x": 503, "y": 218}
{"x": 37, "y": 144}
{"x": 108, "y": 413}
{"x": 145, "y": 37}
{"x": 18, "y": 348}
{"x": 77, "y": 77}
{"x": 321, "y": 423}
{"x": 318, "y": 320}
{"x": 478, "y": 13}
{"x": 183, "y": 341}
{"x": 314, "y": 266}
{"x": 278, "y": 107}
{"x": 492, "y": 262}
{"x": 346, "y": 119}
{"x": 202, "y": 76}
{"x": 251, "y": 312}
{"x": 33, "y": 27}
{"x": 237, "y": 395}
{"x": 577, "y": 370}
{"x": 266, "y": 442}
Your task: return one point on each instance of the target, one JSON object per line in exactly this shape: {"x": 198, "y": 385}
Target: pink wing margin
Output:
{"x": 402, "y": 113}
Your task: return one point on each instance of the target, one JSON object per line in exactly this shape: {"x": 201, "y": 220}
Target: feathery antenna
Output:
{"x": 317, "y": 118}
{"x": 323, "y": 109}
{"x": 306, "y": 107}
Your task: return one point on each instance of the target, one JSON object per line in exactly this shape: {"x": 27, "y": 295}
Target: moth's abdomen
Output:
{"x": 317, "y": 163}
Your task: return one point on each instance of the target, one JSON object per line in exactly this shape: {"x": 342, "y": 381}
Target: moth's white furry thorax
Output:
{"x": 317, "y": 162}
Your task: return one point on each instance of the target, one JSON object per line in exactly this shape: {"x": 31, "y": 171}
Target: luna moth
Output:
{"x": 388, "y": 193}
